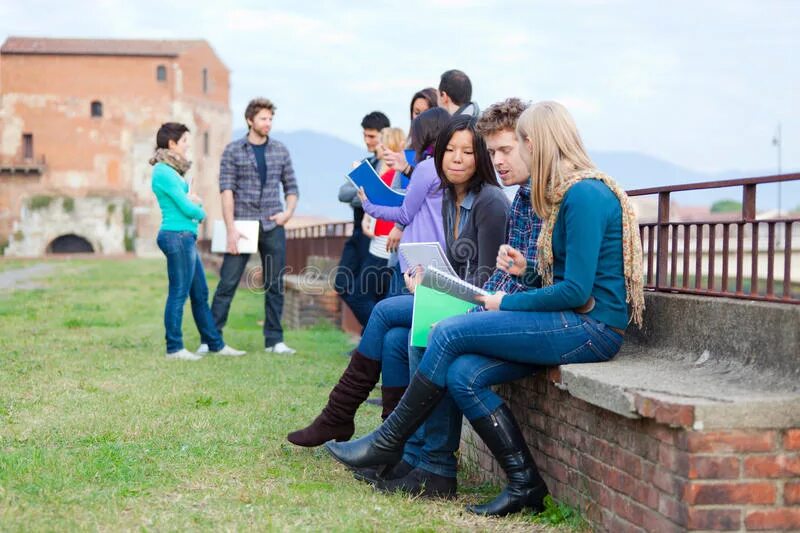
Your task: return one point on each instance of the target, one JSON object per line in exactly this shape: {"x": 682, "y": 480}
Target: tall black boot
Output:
{"x": 390, "y": 397}
{"x": 525, "y": 488}
{"x": 384, "y": 446}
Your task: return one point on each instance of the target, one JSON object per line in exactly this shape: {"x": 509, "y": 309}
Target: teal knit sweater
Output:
{"x": 178, "y": 213}
{"x": 587, "y": 258}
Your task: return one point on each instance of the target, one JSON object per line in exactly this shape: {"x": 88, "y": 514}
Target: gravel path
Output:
{"x": 25, "y": 278}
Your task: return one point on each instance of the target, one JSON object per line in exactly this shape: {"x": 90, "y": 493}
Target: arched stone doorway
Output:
{"x": 70, "y": 244}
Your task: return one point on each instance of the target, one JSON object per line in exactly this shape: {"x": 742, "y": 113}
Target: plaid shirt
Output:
{"x": 238, "y": 172}
{"x": 522, "y": 232}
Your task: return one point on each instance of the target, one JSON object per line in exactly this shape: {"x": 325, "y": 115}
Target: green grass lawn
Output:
{"x": 99, "y": 432}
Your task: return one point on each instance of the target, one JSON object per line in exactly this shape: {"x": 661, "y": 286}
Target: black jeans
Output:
{"x": 361, "y": 278}
{"x": 272, "y": 248}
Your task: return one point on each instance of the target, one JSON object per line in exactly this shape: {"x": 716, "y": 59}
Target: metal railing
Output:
{"x": 737, "y": 257}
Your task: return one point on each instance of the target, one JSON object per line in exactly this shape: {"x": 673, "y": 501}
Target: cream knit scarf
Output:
{"x": 631, "y": 243}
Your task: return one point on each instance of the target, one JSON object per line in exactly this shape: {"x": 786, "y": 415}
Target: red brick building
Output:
{"x": 78, "y": 119}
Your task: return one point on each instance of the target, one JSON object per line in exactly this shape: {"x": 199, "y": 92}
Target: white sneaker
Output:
{"x": 280, "y": 348}
{"x": 231, "y": 352}
{"x": 203, "y": 348}
{"x": 184, "y": 355}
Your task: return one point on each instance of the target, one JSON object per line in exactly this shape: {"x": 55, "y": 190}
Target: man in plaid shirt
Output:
{"x": 523, "y": 226}
{"x": 252, "y": 171}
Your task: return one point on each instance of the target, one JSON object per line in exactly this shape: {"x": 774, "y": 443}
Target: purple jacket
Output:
{"x": 421, "y": 212}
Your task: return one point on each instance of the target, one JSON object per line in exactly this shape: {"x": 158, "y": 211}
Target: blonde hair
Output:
{"x": 557, "y": 150}
{"x": 394, "y": 139}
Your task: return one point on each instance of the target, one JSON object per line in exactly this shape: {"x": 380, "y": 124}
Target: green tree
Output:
{"x": 726, "y": 206}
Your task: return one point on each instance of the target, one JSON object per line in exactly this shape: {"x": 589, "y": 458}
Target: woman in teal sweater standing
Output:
{"x": 588, "y": 250}
{"x": 180, "y": 214}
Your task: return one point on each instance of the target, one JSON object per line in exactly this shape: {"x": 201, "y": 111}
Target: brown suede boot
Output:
{"x": 391, "y": 397}
{"x": 335, "y": 422}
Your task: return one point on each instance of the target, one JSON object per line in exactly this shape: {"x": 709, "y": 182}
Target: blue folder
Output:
{"x": 377, "y": 191}
{"x": 411, "y": 157}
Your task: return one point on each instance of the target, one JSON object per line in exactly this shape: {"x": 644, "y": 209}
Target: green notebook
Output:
{"x": 439, "y": 296}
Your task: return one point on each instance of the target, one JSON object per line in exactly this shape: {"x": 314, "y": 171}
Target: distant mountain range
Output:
{"x": 321, "y": 160}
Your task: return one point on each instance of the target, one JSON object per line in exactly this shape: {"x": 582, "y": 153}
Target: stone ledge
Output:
{"x": 677, "y": 393}
{"x": 700, "y": 363}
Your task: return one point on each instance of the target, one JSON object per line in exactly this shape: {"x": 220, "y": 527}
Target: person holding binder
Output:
{"x": 588, "y": 249}
{"x": 377, "y": 270}
{"x": 181, "y": 211}
{"x": 475, "y": 209}
{"x": 420, "y": 216}
{"x": 355, "y": 254}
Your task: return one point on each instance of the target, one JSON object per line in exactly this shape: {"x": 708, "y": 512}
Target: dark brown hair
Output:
{"x": 428, "y": 94}
{"x": 256, "y": 105}
{"x": 170, "y": 131}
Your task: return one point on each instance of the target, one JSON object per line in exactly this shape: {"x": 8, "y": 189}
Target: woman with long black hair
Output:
{"x": 588, "y": 250}
{"x": 474, "y": 211}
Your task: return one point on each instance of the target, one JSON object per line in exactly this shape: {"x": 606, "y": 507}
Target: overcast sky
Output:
{"x": 699, "y": 83}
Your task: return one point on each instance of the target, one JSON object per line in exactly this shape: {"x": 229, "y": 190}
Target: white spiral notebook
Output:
{"x": 436, "y": 279}
{"x": 248, "y": 228}
{"x": 427, "y": 254}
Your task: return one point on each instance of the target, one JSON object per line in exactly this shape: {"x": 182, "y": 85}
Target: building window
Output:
{"x": 205, "y": 80}
{"x": 161, "y": 73}
{"x": 97, "y": 109}
{"x": 205, "y": 143}
{"x": 27, "y": 145}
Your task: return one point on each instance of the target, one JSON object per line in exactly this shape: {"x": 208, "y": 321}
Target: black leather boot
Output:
{"x": 370, "y": 474}
{"x": 384, "y": 446}
{"x": 525, "y": 487}
{"x": 420, "y": 482}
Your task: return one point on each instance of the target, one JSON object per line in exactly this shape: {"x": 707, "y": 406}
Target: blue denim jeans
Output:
{"x": 528, "y": 338}
{"x": 397, "y": 284}
{"x": 348, "y": 280}
{"x": 187, "y": 279}
{"x": 394, "y": 358}
{"x": 440, "y": 435}
{"x": 471, "y": 376}
{"x": 388, "y": 313}
{"x": 385, "y": 339}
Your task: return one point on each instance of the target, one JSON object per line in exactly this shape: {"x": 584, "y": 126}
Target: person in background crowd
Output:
{"x": 376, "y": 272}
{"x": 356, "y": 249}
{"x": 455, "y": 94}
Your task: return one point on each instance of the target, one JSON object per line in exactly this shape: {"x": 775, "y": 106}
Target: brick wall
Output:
{"x": 642, "y": 475}
{"x": 307, "y": 303}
